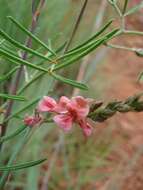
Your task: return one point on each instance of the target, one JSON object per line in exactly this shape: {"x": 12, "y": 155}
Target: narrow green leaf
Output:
{"x": 83, "y": 47}
{"x": 37, "y": 75}
{"x": 134, "y": 9}
{"x": 78, "y": 50}
{"x": 125, "y": 6}
{"x": 87, "y": 51}
{"x": 19, "y": 45}
{"x": 93, "y": 37}
{"x": 22, "y": 109}
{"x": 22, "y": 166}
{"x": 9, "y": 51}
{"x": 21, "y": 61}
{"x": 70, "y": 82}
{"x": 59, "y": 49}
{"x": 8, "y": 75}
{"x": 78, "y": 56}
{"x": 11, "y": 136}
{"x": 30, "y": 34}
{"x": 12, "y": 97}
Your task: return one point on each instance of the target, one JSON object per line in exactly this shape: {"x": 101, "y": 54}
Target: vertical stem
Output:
{"x": 76, "y": 25}
{"x": 14, "y": 86}
{"x": 97, "y": 24}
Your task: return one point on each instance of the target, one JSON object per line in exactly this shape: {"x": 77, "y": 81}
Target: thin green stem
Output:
{"x": 123, "y": 26}
{"x": 8, "y": 75}
{"x": 121, "y": 47}
{"x": 133, "y": 32}
{"x": 117, "y": 9}
{"x": 114, "y": 4}
{"x": 18, "y": 148}
{"x": 76, "y": 25}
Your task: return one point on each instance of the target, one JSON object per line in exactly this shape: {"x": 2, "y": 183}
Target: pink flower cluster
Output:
{"x": 32, "y": 120}
{"x": 68, "y": 111}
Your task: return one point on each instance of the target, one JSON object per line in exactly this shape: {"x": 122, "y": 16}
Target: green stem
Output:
{"x": 8, "y": 75}
{"x": 121, "y": 47}
{"x": 18, "y": 148}
{"x": 133, "y": 32}
{"x": 77, "y": 23}
{"x": 15, "y": 133}
{"x": 117, "y": 9}
{"x": 114, "y": 4}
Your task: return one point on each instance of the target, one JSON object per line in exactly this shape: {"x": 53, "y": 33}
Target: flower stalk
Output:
{"x": 131, "y": 104}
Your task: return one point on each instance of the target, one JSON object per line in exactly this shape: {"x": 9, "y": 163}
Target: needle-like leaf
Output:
{"x": 134, "y": 9}
{"x": 23, "y": 109}
{"x": 78, "y": 50}
{"x": 12, "y": 97}
{"x": 70, "y": 82}
{"x": 8, "y": 75}
{"x": 84, "y": 52}
{"x": 93, "y": 37}
{"x": 15, "y": 133}
{"x": 125, "y": 6}
{"x": 17, "y": 60}
{"x": 23, "y": 47}
{"x": 30, "y": 34}
{"x": 22, "y": 166}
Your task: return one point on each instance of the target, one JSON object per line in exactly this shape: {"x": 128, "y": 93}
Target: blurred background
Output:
{"x": 112, "y": 158}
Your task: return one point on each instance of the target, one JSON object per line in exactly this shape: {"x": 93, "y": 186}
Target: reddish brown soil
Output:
{"x": 121, "y": 71}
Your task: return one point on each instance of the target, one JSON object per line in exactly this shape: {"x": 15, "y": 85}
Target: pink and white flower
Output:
{"x": 47, "y": 104}
{"x": 68, "y": 111}
{"x": 32, "y": 120}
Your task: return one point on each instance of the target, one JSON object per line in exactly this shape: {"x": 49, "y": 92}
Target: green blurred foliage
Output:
{"x": 75, "y": 162}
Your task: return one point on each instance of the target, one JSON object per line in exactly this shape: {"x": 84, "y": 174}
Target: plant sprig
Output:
{"x": 131, "y": 104}
{"x": 22, "y": 166}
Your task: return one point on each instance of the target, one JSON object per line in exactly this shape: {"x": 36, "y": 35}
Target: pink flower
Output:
{"x": 64, "y": 121}
{"x": 32, "y": 120}
{"x": 87, "y": 129}
{"x": 62, "y": 105}
{"x": 68, "y": 112}
{"x": 79, "y": 106}
{"x": 47, "y": 104}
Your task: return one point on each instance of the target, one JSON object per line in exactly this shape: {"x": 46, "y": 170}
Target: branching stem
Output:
{"x": 14, "y": 85}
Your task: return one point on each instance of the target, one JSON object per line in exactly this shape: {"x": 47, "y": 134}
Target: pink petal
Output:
{"x": 47, "y": 104}
{"x": 80, "y": 105}
{"x": 63, "y": 121}
{"x": 32, "y": 120}
{"x": 87, "y": 129}
{"x": 64, "y": 100}
{"x": 62, "y": 105}
{"x": 29, "y": 120}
